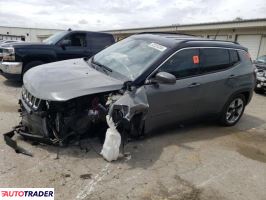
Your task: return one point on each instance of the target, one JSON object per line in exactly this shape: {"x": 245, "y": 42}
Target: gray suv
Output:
{"x": 143, "y": 82}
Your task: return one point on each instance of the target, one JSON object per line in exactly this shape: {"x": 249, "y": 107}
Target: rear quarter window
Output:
{"x": 234, "y": 57}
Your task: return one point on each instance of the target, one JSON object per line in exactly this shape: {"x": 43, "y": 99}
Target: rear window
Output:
{"x": 214, "y": 59}
{"x": 99, "y": 42}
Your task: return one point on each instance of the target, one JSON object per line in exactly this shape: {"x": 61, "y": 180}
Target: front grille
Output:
{"x": 30, "y": 100}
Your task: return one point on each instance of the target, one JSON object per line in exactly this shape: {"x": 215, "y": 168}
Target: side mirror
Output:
{"x": 165, "y": 78}
{"x": 65, "y": 43}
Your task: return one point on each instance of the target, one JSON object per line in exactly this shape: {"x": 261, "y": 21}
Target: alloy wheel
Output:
{"x": 234, "y": 110}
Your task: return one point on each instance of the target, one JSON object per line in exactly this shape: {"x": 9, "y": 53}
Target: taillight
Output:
{"x": 248, "y": 56}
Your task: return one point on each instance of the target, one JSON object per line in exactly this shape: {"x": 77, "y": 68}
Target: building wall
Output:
{"x": 27, "y": 34}
{"x": 252, "y": 38}
{"x": 249, "y": 33}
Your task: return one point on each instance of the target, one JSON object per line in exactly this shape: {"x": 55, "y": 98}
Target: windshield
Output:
{"x": 53, "y": 39}
{"x": 261, "y": 59}
{"x": 130, "y": 57}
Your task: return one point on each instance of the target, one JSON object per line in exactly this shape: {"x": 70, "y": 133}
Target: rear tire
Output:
{"x": 233, "y": 110}
{"x": 31, "y": 65}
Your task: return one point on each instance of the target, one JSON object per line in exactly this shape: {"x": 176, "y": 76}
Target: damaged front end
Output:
{"x": 129, "y": 111}
{"x": 57, "y": 122}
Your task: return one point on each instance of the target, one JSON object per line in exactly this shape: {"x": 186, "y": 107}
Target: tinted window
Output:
{"x": 77, "y": 39}
{"x": 234, "y": 58}
{"x": 53, "y": 39}
{"x": 183, "y": 64}
{"x": 99, "y": 42}
{"x": 214, "y": 59}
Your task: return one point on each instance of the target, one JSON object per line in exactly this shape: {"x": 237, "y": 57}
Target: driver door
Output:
{"x": 76, "y": 49}
{"x": 177, "y": 102}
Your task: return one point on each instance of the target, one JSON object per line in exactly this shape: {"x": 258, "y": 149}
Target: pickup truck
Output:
{"x": 17, "y": 58}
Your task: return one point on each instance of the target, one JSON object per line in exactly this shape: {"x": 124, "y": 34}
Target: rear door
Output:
{"x": 178, "y": 102}
{"x": 217, "y": 78}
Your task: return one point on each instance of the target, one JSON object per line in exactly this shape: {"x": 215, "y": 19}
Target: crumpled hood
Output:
{"x": 64, "y": 80}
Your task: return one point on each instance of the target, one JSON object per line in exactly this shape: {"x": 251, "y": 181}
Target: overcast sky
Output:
{"x": 118, "y": 14}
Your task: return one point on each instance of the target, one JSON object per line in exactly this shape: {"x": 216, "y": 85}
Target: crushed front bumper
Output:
{"x": 34, "y": 124}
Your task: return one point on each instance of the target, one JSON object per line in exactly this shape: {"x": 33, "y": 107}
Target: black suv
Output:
{"x": 20, "y": 57}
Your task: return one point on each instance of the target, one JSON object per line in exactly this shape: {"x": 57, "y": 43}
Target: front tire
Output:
{"x": 233, "y": 110}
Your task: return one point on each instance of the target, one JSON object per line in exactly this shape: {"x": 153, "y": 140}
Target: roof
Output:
{"x": 182, "y": 40}
{"x": 260, "y": 22}
{"x": 90, "y": 32}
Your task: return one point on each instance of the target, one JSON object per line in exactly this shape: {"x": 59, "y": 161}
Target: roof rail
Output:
{"x": 204, "y": 40}
{"x": 172, "y": 33}
{"x": 212, "y": 40}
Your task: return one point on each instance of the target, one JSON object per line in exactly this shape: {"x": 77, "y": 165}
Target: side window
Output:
{"x": 77, "y": 39}
{"x": 213, "y": 59}
{"x": 99, "y": 42}
{"x": 183, "y": 64}
{"x": 234, "y": 57}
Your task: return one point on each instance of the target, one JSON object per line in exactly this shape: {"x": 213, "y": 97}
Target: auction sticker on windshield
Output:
{"x": 157, "y": 46}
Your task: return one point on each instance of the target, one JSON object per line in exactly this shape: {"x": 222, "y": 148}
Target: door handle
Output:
{"x": 192, "y": 85}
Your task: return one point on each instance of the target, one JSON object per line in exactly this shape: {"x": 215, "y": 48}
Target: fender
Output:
{"x": 27, "y": 55}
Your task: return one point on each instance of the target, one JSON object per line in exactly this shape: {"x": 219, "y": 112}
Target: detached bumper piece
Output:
{"x": 13, "y": 144}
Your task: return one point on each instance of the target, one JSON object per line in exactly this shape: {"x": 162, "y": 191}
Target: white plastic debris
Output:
{"x": 110, "y": 150}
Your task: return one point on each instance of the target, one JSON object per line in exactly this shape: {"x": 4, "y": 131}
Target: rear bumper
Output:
{"x": 11, "y": 70}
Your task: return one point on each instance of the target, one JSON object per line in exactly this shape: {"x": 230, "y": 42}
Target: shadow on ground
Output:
{"x": 151, "y": 147}
{"x": 146, "y": 151}
{"x": 13, "y": 83}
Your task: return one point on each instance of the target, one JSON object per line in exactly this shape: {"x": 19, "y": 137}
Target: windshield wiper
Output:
{"x": 101, "y": 65}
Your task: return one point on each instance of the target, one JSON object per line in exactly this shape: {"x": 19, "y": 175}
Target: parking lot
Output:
{"x": 199, "y": 161}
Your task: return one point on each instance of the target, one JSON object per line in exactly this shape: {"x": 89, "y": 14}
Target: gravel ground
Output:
{"x": 199, "y": 161}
